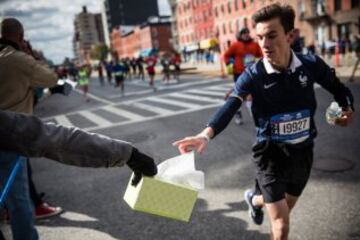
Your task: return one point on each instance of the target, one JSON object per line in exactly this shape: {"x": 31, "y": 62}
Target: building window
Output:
{"x": 154, "y": 32}
{"x": 222, "y": 9}
{"x": 230, "y": 27}
{"x": 245, "y": 22}
{"x": 216, "y": 12}
{"x": 224, "y": 28}
{"x": 244, "y": 4}
{"x": 337, "y": 5}
{"x": 236, "y": 5}
{"x": 229, "y": 7}
{"x": 238, "y": 25}
{"x": 156, "y": 44}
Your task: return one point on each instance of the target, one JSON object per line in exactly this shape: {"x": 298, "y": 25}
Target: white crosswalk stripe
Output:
{"x": 206, "y": 92}
{"x": 63, "y": 120}
{"x": 193, "y": 97}
{"x": 223, "y": 88}
{"x": 99, "y": 121}
{"x": 123, "y": 113}
{"x": 173, "y": 102}
{"x": 188, "y": 100}
{"x": 158, "y": 110}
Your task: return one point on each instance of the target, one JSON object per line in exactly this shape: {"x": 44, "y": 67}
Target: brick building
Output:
{"x": 331, "y": 19}
{"x": 317, "y": 20}
{"x": 142, "y": 40}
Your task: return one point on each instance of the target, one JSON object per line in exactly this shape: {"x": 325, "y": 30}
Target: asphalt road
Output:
{"x": 92, "y": 198}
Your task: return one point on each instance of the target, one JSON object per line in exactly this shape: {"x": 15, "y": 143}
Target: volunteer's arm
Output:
{"x": 29, "y": 136}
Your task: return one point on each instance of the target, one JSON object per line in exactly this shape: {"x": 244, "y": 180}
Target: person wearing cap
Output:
{"x": 244, "y": 51}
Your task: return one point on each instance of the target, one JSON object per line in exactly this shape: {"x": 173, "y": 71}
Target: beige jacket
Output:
{"x": 19, "y": 74}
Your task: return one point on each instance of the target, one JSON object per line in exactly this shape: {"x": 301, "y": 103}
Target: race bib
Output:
{"x": 249, "y": 59}
{"x": 290, "y": 127}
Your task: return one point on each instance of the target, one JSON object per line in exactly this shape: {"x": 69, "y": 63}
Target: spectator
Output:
{"x": 20, "y": 73}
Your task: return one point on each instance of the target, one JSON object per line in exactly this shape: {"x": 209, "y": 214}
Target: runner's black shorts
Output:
{"x": 119, "y": 79}
{"x": 283, "y": 169}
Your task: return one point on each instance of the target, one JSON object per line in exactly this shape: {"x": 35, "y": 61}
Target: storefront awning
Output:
{"x": 148, "y": 52}
{"x": 191, "y": 47}
{"x": 208, "y": 43}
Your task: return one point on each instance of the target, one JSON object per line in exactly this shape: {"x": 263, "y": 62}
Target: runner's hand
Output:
{"x": 188, "y": 144}
{"x": 346, "y": 118}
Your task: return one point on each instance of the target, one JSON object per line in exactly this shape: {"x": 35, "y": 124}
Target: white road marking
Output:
{"x": 102, "y": 122}
{"x": 131, "y": 117}
{"x": 123, "y": 113}
{"x": 195, "y": 97}
{"x": 92, "y": 96}
{"x": 173, "y": 102}
{"x": 63, "y": 120}
{"x": 158, "y": 110}
{"x": 206, "y": 92}
{"x": 157, "y": 116}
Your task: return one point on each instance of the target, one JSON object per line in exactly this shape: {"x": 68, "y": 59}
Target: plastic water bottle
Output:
{"x": 333, "y": 112}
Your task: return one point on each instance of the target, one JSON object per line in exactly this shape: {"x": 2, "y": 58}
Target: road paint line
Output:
{"x": 63, "y": 120}
{"x": 158, "y": 110}
{"x": 195, "y": 97}
{"x": 173, "y": 102}
{"x": 99, "y": 121}
{"x": 123, "y": 113}
{"x": 211, "y": 93}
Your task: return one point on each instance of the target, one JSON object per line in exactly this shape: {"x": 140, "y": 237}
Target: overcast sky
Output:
{"x": 49, "y": 23}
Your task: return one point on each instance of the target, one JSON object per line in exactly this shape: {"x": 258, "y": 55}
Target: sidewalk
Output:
{"x": 214, "y": 69}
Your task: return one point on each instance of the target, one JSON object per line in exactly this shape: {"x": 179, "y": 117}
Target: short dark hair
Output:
{"x": 11, "y": 27}
{"x": 285, "y": 13}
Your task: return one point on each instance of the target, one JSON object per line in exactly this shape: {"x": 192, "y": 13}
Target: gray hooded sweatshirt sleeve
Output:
{"x": 30, "y": 137}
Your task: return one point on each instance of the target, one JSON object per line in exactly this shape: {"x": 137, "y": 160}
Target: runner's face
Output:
{"x": 245, "y": 36}
{"x": 273, "y": 40}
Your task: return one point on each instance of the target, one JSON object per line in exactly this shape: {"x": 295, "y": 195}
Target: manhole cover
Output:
{"x": 333, "y": 164}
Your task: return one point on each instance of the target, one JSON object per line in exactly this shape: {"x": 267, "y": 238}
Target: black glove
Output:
{"x": 141, "y": 164}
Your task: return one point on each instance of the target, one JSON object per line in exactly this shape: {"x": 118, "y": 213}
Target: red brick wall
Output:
{"x": 185, "y": 22}
{"x": 160, "y": 37}
{"x": 116, "y": 42}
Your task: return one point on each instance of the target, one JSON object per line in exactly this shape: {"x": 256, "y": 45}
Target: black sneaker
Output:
{"x": 256, "y": 213}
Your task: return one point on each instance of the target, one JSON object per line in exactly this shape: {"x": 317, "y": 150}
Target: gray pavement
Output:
{"x": 92, "y": 198}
